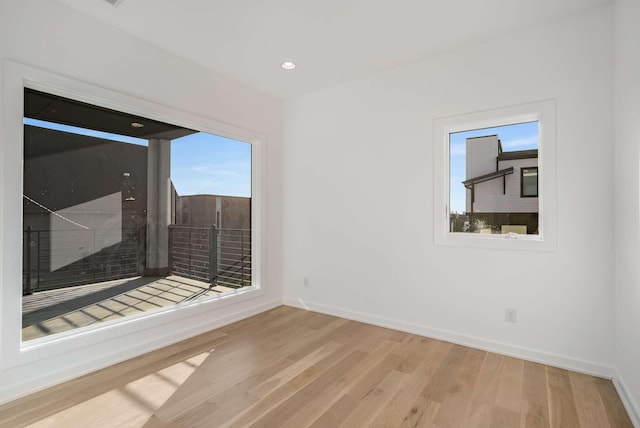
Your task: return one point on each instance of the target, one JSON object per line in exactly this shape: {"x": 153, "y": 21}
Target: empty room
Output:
{"x": 319, "y": 213}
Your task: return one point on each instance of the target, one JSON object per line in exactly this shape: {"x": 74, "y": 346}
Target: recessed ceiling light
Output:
{"x": 137, "y": 125}
{"x": 288, "y": 65}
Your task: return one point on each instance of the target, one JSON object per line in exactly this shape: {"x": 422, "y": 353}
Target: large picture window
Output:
{"x": 114, "y": 223}
{"x": 495, "y": 178}
{"x": 123, "y": 214}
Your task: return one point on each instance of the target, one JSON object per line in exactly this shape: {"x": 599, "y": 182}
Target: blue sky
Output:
{"x": 521, "y": 136}
{"x": 208, "y": 164}
{"x": 201, "y": 163}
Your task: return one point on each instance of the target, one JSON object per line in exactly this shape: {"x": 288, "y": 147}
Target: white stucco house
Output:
{"x": 501, "y": 186}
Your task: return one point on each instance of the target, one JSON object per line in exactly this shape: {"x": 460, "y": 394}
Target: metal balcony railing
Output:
{"x": 58, "y": 259}
{"x": 64, "y": 258}
{"x": 216, "y": 256}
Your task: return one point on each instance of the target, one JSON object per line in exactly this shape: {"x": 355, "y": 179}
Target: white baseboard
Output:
{"x": 528, "y": 354}
{"x": 630, "y": 405}
{"x": 187, "y": 330}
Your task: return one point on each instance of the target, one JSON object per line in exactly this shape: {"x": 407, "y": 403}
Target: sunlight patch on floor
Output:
{"x": 129, "y": 406}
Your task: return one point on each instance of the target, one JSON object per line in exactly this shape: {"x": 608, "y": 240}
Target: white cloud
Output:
{"x": 232, "y": 177}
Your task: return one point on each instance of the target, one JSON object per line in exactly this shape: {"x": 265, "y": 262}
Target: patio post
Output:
{"x": 158, "y": 206}
{"x": 213, "y": 254}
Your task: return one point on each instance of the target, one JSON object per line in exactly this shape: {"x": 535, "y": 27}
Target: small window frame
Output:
{"x": 544, "y": 112}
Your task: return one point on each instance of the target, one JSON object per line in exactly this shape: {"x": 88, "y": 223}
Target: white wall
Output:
{"x": 627, "y": 202}
{"x": 359, "y": 199}
{"x": 358, "y": 194}
{"x": 47, "y": 35}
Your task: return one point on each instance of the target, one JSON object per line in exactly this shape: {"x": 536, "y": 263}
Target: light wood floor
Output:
{"x": 292, "y": 368}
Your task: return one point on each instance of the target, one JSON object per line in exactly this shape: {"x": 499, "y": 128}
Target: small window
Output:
{"x": 495, "y": 178}
{"x": 529, "y": 182}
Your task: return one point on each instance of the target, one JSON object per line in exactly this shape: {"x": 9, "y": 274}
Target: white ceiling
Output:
{"x": 331, "y": 40}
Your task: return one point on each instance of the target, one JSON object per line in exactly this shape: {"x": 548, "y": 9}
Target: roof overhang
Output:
{"x": 65, "y": 111}
{"x": 519, "y": 154}
{"x": 473, "y": 181}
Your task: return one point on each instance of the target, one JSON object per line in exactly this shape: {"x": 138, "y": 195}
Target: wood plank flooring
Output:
{"x": 292, "y": 368}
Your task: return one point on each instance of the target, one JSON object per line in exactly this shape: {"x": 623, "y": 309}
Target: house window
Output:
{"x": 529, "y": 182}
{"x": 120, "y": 214}
{"x": 124, "y": 196}
{"x": 95, "y": 182}
{"x": 495, "y": 178}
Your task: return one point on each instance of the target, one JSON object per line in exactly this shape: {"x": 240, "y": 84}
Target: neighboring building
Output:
{"x": 502, "y": 187}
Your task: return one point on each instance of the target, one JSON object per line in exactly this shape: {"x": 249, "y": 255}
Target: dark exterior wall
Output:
{"x": 201, "y": 211}
{"x": 63, "y": 170}
{"x": 236, "y": 212}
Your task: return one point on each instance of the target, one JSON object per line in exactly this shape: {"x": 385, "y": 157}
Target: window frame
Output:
{"x": 544, "y": 112}
{"x": 13, "y": 351}
{"x": 522, "y": 195}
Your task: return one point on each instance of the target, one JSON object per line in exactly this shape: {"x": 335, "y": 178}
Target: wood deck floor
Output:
{"x": 55, "y": 311}
{"x": 293, "y": 368}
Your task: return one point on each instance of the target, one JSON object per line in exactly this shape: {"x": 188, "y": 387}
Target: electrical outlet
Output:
{"x": 305, "y": 281}
{"x": 510, "y": 315}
